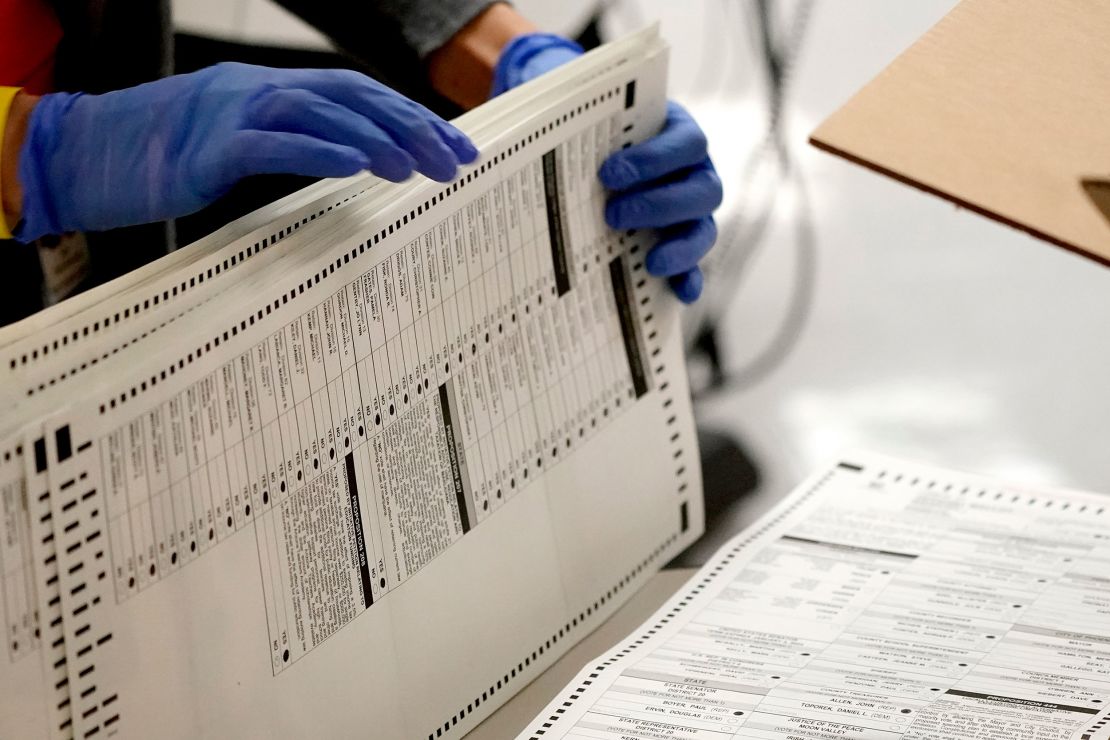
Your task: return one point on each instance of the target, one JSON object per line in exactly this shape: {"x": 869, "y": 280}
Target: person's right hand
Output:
{"x": 168, "y": 148}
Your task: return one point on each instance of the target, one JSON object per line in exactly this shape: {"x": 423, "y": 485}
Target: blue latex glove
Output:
{"x": 168, "y": 148}
{"x": 667, "y": 182}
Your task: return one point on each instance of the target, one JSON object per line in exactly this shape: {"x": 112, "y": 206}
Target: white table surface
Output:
{"x": 510, "y": 719}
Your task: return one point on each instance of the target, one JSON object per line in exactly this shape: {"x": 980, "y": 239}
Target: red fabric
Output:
{"x": 29, "y": 36}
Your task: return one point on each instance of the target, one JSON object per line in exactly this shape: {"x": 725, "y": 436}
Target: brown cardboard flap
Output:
{"x": 1003, "y": 107}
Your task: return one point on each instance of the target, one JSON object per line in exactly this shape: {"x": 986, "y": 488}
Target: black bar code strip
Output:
{"x": 453, "y": 453}
{"x": 628, "y": 327}
{"x": 360, "y": 540}
{"x": 555, "y": 222}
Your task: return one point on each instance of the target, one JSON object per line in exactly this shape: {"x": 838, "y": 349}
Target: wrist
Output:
{"x": 462, "y": 69}
{"x": 15, "y": 133}
{"x": 527, "y": 57}
{"x": 47, "y": 172}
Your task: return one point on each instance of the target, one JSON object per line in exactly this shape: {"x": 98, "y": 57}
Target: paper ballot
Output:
{"x": 880, "y": 601}
{"x": 361, "y": 464}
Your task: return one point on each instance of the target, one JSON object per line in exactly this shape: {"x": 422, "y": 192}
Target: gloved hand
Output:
{"x": 666, "y": 183}
{"x": 168, "y": 148}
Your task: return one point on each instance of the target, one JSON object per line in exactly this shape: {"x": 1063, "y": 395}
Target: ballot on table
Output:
{"x": 360, "y": 464}
{"x": 882, "y": 600}
{"x": 1001, "y": 108}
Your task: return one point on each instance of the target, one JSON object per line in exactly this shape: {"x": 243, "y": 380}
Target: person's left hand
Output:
{"x": 667, "y": 182}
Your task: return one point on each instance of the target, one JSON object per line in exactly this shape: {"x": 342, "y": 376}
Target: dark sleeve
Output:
{"x": 391, "y": 38}
{"x": 422, "y": 25}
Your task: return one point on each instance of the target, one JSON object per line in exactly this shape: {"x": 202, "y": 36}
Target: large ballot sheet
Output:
{"x": 362, "y": 465}
{"x": 881, "y": 601}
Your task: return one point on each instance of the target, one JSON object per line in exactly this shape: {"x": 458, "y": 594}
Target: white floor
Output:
{"x": 935, "y": 334}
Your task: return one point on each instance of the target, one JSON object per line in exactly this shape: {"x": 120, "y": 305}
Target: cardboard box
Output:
{"x": 1004, "y": 108}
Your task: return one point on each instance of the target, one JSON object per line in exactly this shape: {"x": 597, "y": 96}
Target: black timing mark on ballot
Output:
{"x": 555, "y": 222}
{"x": 40, "y": 455}
{"x": 63, "y": 443}
{"x": 628, "y": 327}
{"x": 453, "y": 453}
{"x": 360, "y": 540}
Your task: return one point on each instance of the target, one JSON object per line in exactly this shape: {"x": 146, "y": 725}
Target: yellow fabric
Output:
{"x": 6, "y": 96}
